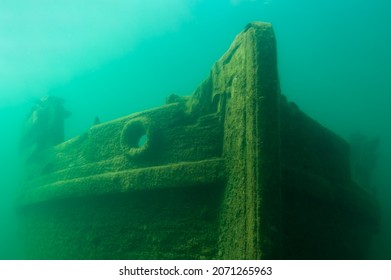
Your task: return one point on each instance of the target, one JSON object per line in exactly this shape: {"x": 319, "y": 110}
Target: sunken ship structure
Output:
{"x": 233, "y": 171}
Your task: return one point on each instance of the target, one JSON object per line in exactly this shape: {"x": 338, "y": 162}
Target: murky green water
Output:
{"x": 112, "y": 58}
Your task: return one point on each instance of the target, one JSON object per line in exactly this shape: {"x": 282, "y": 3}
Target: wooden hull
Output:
{"x": 232, "y": 172}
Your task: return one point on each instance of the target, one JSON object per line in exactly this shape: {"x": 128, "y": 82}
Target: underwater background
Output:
{"x": 112, "y": 58}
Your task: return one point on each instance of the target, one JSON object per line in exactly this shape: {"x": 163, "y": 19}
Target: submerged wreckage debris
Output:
{"x": 43, "y": 127}
{"x": 232, "y": 172}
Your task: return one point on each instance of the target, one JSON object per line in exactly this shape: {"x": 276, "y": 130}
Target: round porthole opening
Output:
{"x": 135, "y": 137}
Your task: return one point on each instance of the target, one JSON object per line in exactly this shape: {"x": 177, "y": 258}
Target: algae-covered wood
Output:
{"x": 233, "y": 171}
